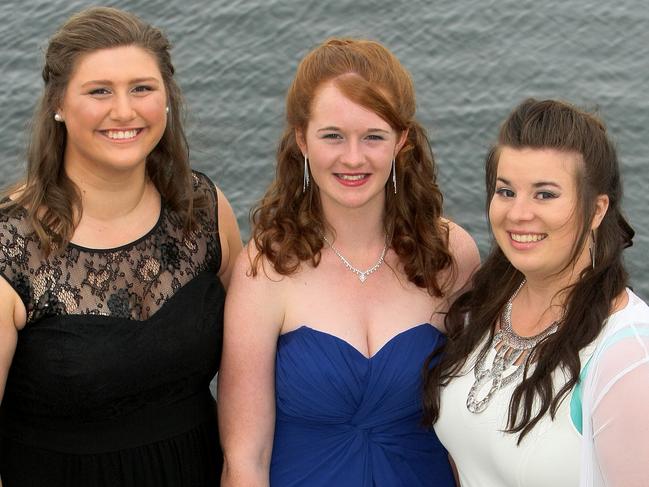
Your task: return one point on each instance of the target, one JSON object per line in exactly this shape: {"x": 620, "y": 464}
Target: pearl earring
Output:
{"x": 58, "y": 117}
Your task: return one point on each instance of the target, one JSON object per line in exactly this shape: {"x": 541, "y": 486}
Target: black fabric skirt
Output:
{"x": 189, "y": 459}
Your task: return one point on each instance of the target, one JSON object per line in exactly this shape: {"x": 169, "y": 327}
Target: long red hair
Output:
{"x": 288, "y": 224}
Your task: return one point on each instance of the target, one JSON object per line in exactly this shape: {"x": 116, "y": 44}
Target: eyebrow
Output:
{"x": 323, "y": 129}
{"x": 538, "y": 184}
{"x": 110, "y": 82}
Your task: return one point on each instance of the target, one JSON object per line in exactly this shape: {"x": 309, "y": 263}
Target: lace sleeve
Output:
{"x": 619, "y": 408}
{"x": 14, "y": 252}
{"x": 208, "y": 216}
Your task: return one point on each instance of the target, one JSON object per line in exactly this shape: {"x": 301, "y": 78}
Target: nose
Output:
{"x": 122, "y": 108}
{"x": 352, "y": 154}
{"x": 520, "y": 209}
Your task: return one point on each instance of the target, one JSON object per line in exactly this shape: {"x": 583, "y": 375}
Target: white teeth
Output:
{"x": 351, "y": 177}
{"x": 121, "y": 134}
{"x": 527, "y": 237}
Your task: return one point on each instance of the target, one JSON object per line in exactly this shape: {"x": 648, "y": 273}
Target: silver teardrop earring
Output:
{"x": 305, "y": 179}
{"x": 394, "y": 175}
{"x": 591, "y": 248}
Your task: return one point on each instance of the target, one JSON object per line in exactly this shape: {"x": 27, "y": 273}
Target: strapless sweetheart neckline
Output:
{"x": 397, "y": 337}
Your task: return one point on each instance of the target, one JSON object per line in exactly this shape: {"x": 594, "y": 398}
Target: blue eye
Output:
{"x": 332, "y": 136}
{"x": 505, "y": 192}
{"x": 375, "y": 137}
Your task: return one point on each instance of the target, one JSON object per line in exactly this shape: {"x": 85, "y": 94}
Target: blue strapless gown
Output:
{"x": 346, "y": 420}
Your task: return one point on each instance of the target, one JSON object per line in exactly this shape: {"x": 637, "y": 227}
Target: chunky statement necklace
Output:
{"x": 510, "y": 348}
{"x": 362, "y": 275}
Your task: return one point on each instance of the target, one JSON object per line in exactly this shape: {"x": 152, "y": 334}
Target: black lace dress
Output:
{"x": 109, "y": 384}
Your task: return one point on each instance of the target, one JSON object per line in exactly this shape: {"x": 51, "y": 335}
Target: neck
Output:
{"x": 110, "y": 196}
{"x": 550, "y": 289}
{"x": 542, "y": 294}
{"x": 358, "y": 228}
{"x": 358, "y": 236}
{"x": 542, "y": 300}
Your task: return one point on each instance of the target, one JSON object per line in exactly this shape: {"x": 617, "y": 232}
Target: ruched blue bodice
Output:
{"x": 347, "y": 420}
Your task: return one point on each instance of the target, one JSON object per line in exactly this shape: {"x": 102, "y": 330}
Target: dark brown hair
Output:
{"x": 288, "y": 224}
{"x": 542, "y": 125}
{"x": 50, "y": 197}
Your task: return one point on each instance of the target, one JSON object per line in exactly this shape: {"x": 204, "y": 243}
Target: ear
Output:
{"x": 401, "y": 142}
{"x": 601, "y": 207}
{"x": 301, "y": 140}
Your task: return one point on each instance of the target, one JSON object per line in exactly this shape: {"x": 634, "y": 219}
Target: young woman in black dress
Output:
{"x": 114, "y": 259}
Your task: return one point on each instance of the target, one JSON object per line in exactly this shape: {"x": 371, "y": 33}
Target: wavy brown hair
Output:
{"x": 288, "y": 223}
{"x": 50, "y": 197}
{"x": 542, "y": 125}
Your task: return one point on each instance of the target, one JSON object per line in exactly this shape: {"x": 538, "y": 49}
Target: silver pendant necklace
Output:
{"x": 362, "y": 275}
{"x": 510, "y": 348}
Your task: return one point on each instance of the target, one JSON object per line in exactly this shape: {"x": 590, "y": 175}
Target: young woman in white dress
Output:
{"x": 545, "y": 377}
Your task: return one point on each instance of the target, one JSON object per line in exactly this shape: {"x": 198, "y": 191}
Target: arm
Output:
{"x": 456, "y": 475}
{"x": 254, "y": 313}
{"x": 230, "y": 238}
{"x": 12, "y": 317}
{"x": 620, "y": 418}
{"x": 466, "y": 260}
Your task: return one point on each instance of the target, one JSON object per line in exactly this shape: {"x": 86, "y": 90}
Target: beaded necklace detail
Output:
{"x": 510, "y": 348}
{"x": 362, "y": 275}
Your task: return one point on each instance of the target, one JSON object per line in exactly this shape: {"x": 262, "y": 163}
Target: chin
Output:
{"x": 526, "y": 268}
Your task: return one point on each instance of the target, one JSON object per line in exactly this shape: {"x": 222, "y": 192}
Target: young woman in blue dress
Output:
{"x": 338, "y": 299}
{"x": 544, "y": 379}
{"x": 114, "y": 259}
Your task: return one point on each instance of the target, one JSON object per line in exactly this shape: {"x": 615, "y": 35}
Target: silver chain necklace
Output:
{"x": 510, "y": 348}
{"x": 362, "y": 275}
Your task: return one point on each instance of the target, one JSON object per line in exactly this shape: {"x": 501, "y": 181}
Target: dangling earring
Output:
{"x": 305, "y": 180}
{"x": 58, "y": 117}
{"x": 591, "y": 248}
{"x": 394, "y": 175}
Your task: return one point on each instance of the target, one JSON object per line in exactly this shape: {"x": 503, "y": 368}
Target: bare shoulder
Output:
{"x": 461, "y": 243}
{"x": 465, "y": 253}
{"x": 223, "y": 203}
{"x": 253, "y": 265}
{"x": 229, "y": 236}
{"x": 257, "y": 291}
{"x": 12, "y": 309}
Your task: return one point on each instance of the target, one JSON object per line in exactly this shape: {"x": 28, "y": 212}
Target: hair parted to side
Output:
{"x": 546, "y": 124}
{"x": 50, "y": 197}
{"x": 288, "y": 224}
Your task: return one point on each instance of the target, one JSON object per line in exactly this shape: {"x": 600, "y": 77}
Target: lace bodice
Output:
{"x": 132, "y": 281}
{"x": 119, "y": 348}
